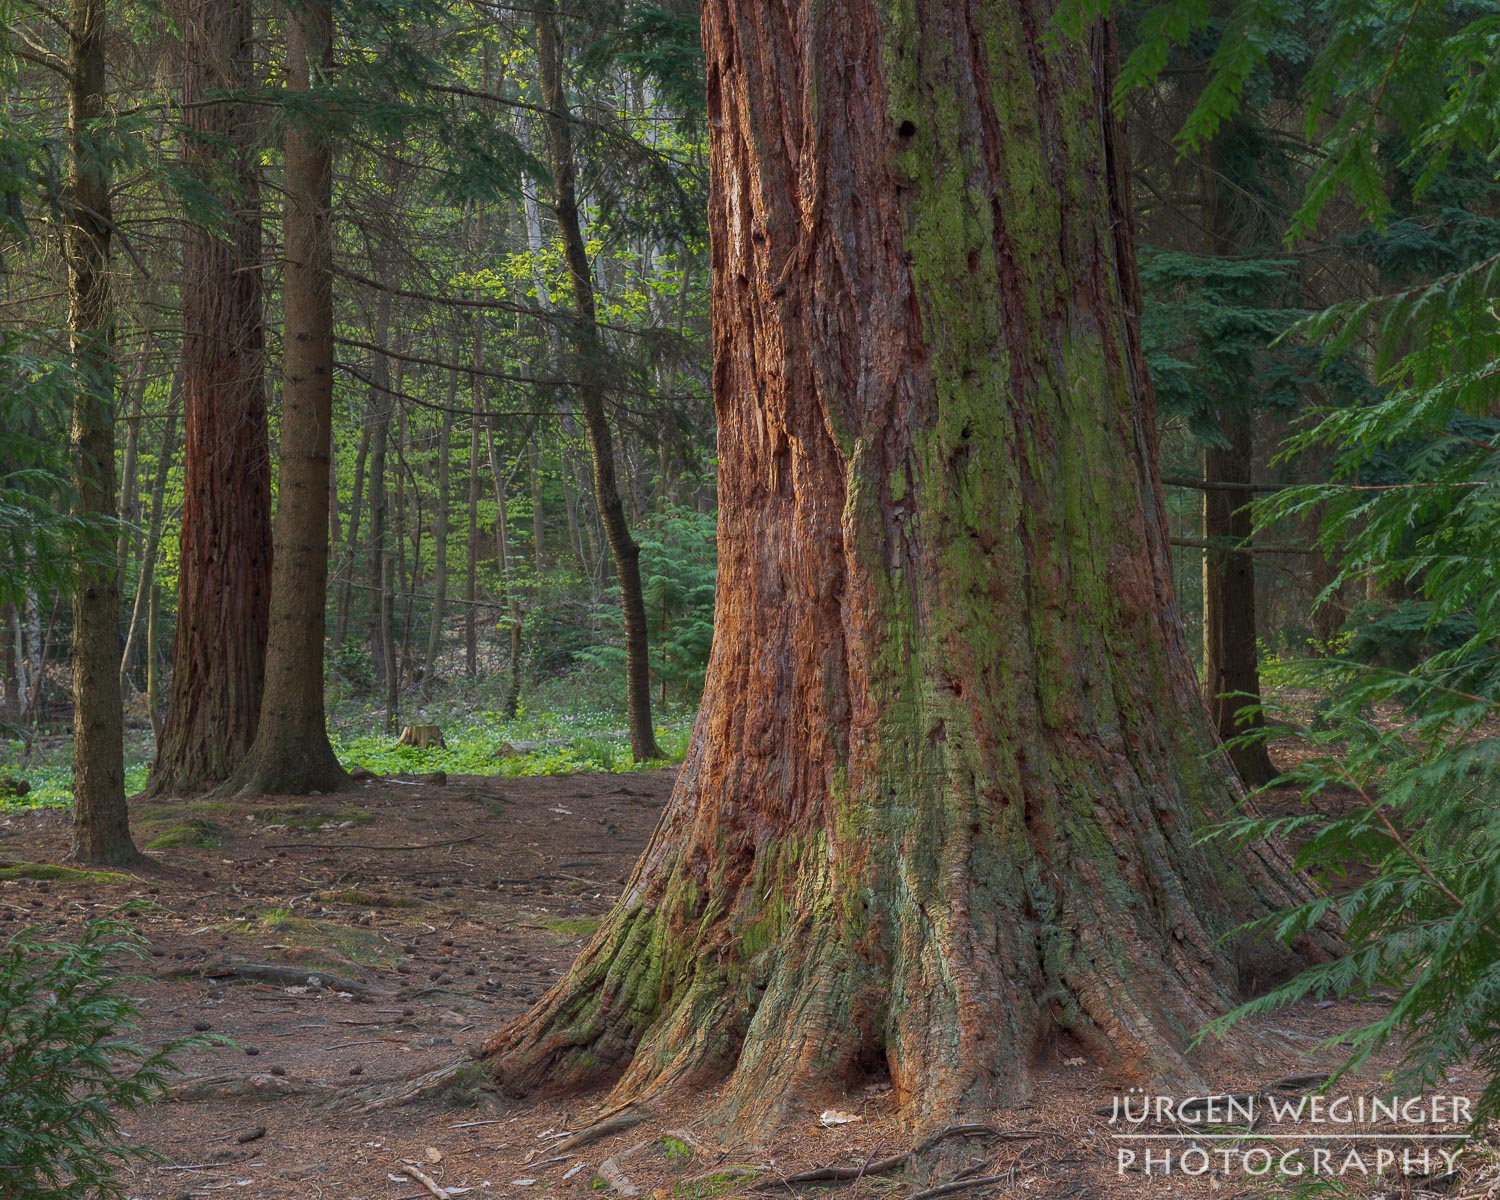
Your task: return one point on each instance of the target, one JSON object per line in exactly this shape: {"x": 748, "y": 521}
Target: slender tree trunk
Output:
{"x": 941, "y": 811}
{"x": 335, "y": 523}
{"x": 381, "y": 409}
{"x": 538, "y": 521}
{"x": 130, "y": 501}
{"x": 351, "y": 543}
{"x": 291, "y": 753}
{"x": 393, "y": 572}
{"x": 514, "y": 619}
{"x": 1231, "y": 662}
{"x": 589, "y": 363}
{"x": 570, "y": 504}
{"x": 101, "y": 822}
{"x": 153, "y": 536}
{"x": 1231, "y": 671}
{"x": 502, "y": 515}
{"x": 507, "y": 583}
{"x": 471, "y": 566}
{"x": 440, "y": 539}
{"x": 19, "y": 631}
{"x": 10, "y": 665}
{"x": 153, "y": 662}
{"x": 36, "y": 644}
{"x": 224, "y": 591}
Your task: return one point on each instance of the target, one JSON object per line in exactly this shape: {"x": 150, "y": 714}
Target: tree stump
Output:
{"x": 421, "y": 736}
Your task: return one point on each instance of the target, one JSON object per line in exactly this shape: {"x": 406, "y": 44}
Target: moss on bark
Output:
{"x": 941, "y": 803}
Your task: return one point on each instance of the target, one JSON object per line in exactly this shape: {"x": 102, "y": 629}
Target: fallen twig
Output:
{"x": 609, "y": 1171}
{"x": 421, "y": 1176}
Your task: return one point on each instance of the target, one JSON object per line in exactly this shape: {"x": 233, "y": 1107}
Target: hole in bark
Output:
{"x": 743, "y": 281}
{"x": 907, "y": 129}
{"x": 973, "y": 261}
{"x": 758, "y": 238}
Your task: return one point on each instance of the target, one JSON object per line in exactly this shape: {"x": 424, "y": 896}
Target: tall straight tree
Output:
{"x": 223, "y": 600}
{"x": 1231, "y": 652}
{"x": 101, "y": 822}
{"x": 291, "y": 752}
{"x": 588, "y": 356}
{"x": 943, "y": 798}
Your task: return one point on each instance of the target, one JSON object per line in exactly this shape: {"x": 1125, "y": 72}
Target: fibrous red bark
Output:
{"x": 223, "y": 600}
{"x": 940, "y": 809}
{"x": 291, "y": 752}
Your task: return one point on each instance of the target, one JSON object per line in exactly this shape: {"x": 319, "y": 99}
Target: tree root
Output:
{"x": 261, "y": 1086}
{"x": 957, "y": 1185}
{"x": 600, "y": 1129}
{"x": 461, "y": 1083}
{"x": 250, "y": 972}
{"x": 881, "y": 1165}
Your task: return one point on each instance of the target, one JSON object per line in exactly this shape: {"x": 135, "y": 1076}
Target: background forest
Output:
{"x": 522, "y": 393}
{"x": 471, "y": 582}
{"x": 470, "y": 576}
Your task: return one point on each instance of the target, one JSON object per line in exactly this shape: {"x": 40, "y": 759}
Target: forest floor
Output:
{"x": 347, "y": 943}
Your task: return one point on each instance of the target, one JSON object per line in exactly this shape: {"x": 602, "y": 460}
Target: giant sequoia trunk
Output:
{"x": 941, "y": 802}
{"x": 223, "y": 601}
{"x": 291, "y": 752}
{"x": 101, "y": 823}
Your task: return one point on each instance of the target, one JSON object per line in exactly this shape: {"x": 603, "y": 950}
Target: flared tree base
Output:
{"x": 959, "y": 1000}
{"x": 274, "y": 769}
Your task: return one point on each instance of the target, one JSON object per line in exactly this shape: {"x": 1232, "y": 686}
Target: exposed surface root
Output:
{"x": 462, "y": 1083}
{"x": 250, "y": 972}
{"x": 231, "y": 1086}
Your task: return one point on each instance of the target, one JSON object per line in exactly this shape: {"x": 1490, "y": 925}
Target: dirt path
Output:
{"x": 391, "y": 930}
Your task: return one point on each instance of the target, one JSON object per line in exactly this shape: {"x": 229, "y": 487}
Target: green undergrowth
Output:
{"x": 514, "y": 749}
{"x": 50, "y": 774}
{"x": 537, "y": 742}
